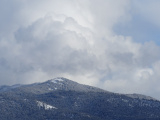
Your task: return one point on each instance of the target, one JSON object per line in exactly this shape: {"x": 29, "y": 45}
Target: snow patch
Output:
{"x": 45, "y": 106}
{"x": 57, "y": 80}
{"x": 125, "y": 100}
{"x": 50, "y": 89}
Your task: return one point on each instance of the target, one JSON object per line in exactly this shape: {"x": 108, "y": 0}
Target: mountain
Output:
{"x": 63, "y": 99}
{"x": 58, "y": 84}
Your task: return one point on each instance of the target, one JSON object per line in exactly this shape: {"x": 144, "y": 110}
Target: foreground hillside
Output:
{"x": 63, "y": 99}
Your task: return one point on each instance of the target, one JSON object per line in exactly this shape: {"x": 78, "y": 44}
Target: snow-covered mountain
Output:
{"x": 58, "y": 84}
{"x": 63, "y": 99}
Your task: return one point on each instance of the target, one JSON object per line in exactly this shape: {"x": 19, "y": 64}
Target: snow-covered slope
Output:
{"x": 58, "y": 84}
{"x": 45, "y": 106}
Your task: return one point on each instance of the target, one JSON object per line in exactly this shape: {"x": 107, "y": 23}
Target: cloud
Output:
{"x": 142, "y": 23}
{"x": 55, "y": 47}
{"x": 149, "y": 10}
{"x": 40, "y": 40}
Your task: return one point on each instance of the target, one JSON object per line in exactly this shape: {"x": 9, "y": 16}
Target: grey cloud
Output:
{"x": 148, "y": 54}
{"x": 47, "y": 39}
{"x": 45, "y": 45}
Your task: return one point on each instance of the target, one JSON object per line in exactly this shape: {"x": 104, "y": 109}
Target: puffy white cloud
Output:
{"x": 75, "y": 39}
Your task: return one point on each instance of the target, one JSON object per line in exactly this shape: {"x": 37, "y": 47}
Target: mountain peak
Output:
{"x": 63, "y": 84}
{"x": 61, "y": 98}
{"x": 58, "y": 83}
{"x": 59, "y": 79}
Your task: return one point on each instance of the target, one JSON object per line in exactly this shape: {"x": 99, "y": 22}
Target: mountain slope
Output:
{"x": 63, "y": 99}
{"x": 58, "y": 84}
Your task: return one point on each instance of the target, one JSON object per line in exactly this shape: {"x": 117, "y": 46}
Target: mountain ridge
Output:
{"x": 63, "y": 99}
{"x": 61, "y": 80}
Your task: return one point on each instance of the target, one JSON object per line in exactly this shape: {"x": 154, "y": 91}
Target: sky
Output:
{"x": 110, "y": 44}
